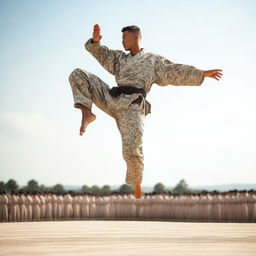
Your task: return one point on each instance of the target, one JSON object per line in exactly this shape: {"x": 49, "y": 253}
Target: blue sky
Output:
{"x": 204, "y": 134}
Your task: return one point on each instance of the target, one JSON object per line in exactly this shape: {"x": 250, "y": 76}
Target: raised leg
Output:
{"x": 88, "y": 89}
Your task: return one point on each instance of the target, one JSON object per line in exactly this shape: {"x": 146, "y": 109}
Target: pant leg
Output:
{"x": 87, "y": 89}
{"x": 130, "y": 123}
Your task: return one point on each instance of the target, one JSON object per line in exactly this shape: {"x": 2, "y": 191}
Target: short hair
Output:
{"x": 132, "y": 28}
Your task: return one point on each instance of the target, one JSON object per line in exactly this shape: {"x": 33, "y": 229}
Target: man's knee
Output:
{"x": 78, "y": 72}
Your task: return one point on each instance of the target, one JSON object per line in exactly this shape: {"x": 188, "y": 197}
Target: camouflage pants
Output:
{"x": 87, "y": 89}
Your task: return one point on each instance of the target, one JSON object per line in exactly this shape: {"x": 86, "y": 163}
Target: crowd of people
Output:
{"x": 238, "y": 206}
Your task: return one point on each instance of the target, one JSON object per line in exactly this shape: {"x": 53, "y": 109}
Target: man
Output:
{"x": 134, "y": 73}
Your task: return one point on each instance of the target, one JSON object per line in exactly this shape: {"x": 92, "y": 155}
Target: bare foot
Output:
{"x": 137, "y": 191}
{"x": 86, "y": 119}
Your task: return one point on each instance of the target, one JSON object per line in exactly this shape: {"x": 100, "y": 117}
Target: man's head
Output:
{"x": 131, "y": 36}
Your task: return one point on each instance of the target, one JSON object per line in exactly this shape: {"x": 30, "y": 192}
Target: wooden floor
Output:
{"x": 123, "y": 238}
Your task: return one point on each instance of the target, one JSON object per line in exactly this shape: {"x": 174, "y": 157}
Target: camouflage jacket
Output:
{"x": 143, "y": 69}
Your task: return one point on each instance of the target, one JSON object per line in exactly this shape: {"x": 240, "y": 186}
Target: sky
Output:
{"x": 203, "y": 134}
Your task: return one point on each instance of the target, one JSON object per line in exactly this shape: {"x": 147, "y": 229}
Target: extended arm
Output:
{"x": 169, "y": 73}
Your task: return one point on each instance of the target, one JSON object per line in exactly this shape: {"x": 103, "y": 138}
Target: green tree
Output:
{"x": 11, "y": 185}
{"x": 86, "y": 189}
{"x": 58, "y": 188}
{"x": 44, "y": 188}
{"x": 106, "y": 190}
{"x": 181, "y": 187}
{"x": 95, "y": 190}
{"x": 159, "y": 188}
{"x": 2, "y": 187}
{"x": 126, "y": 189}
{"x": 32, "y": 186}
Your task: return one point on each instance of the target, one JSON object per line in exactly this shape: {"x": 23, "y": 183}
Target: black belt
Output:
{"x": 117, "y": 90}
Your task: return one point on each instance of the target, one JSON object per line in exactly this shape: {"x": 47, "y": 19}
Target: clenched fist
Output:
{"x": 96, "y": 36}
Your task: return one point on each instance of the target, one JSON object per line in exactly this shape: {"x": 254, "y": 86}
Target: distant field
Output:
{"x": 123, "y": 238}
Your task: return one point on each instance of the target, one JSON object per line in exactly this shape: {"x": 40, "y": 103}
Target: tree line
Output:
{"x": 33, "y": 186}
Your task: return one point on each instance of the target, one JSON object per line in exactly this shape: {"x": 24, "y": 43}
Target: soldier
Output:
{"x": 36, "y": 207}
{"x": 92, "y": 204}
{"x": 170, "y": 207}
{"x": 202, "y": 206}
{"x": 139, "y": 208}
{"x": 112, "y": 207}
{"x": 232, "y": 203}
{"x": 42, "y": 205}
{"x": 85, "y": 209}
{"x": 99, "y": 206}
{"x": 134, "y": 73}
{"x": 227, "y": 206}
{"x": 22, "y": 205}
{"x": 193, "y": 206}
{"x": 251, "y": 206}
{"x": 209, "y": 209}
{"x": 106, "y": 207}
{"x": 243, "y": 205}
{"x": 13, "y": 207}
{"x": 57, "y": 206}
{"x": 76, "y": 206}
{"x": 186, "y": 206}
{"x": 48, "y": 209}
{"x": 165, "y": 206}
{"x": 118, "y": 210}
{"x": 68, "y": 208}
{"x": 4, "y": 207}
{"x": 124, "y": 206}
{"x": 160, "y": 207}
{"x": 132, "y": 206}
{"x": 154, "y": 205}
{"x": 60, "y": 206}
{"x": 147, "y": 206}
{"x": 29, "y": 203}
{"x": 175, "y": 205}
{"x": 216, "y": 206}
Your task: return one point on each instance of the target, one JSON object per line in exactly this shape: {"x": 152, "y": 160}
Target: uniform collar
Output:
{"x": 141, "y": 52}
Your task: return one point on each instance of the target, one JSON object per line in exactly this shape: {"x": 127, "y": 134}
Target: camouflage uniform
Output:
{"x": 141, "y": 71}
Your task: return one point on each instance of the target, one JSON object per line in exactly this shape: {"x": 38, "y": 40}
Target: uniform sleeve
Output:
{"x": 169, "y": 73}
{"x": 105, "y": 56}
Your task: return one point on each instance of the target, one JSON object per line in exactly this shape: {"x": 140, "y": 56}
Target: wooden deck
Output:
{"x": 123, "y": 238}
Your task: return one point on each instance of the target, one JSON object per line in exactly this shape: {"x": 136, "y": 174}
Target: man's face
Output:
{"x": 129, "y": 39}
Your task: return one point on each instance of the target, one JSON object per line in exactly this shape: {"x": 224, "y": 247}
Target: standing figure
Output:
{"x": 251, "y": 206}
{"x": 106, "y": 207}
{"x": 36, "y": 207}
{"x": 13, "y": 207}
{"x": 92, "y": 205}
{"x": 112, "y": 207}
{"x": 85, "y": 208}
{"x": 29, "y": 203}
{"x": 22, "y": 205}
{"x": 60, "y": 207}
{"x": 76, "y": 206}
{"x": 4, "y": 207}
{"x": 68, "y": 207}
{"x": 42, "y": 205}
{"x": 135, "y": 73}
{"x": 48, "y": 209}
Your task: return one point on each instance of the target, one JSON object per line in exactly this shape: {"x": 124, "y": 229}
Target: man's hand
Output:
{"x": 214, "y": 73}
{"x": 96, "y": 36}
